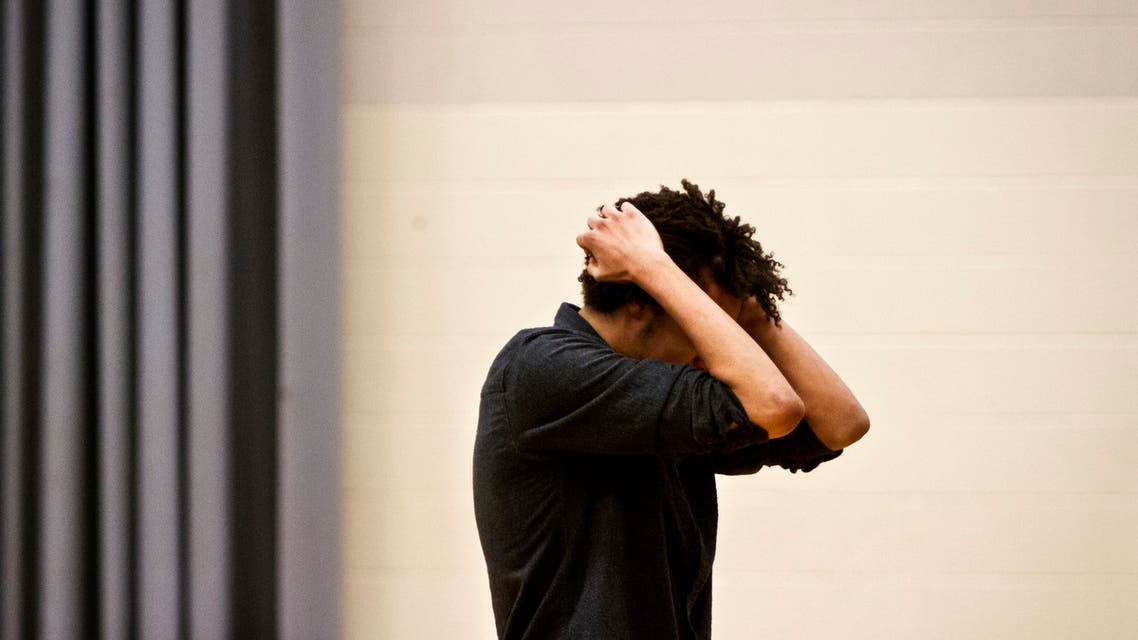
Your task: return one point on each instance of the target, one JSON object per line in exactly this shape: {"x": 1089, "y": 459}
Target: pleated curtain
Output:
{"x": 169, "y": 380}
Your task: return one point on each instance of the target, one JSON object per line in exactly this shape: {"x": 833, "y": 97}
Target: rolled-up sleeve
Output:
{"x": 568, "y": 392}
{"x": 800, "y": 450}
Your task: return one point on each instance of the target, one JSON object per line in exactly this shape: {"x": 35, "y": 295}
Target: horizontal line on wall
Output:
{"x": 799, "y": 262}
{"x": 773, "y": 105}
{"x": 760, "y": 183}
{"x": 526, "y": 185}
{"x": 714, "y": 26}
{"x": 367, "y": 12}
{"x": 1123, "y": 496}
{"x": 1024, "y": 419}
{"x": 772, "y": 579}
{"x": 922, "y": 575}
{"x": 410, "y": 341}
{"x": 1100, "y": 499}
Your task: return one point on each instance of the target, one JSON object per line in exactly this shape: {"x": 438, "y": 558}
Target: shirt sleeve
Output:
{"x": 567, "y": 392}
{"x": 800, "y": 450}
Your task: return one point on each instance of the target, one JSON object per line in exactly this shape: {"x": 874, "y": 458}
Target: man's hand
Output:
{"x": 621, "y": 244}
{"x": 751, "y": 314}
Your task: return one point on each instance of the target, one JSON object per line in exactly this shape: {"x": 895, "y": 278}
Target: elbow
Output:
{"x": 782, "y": 416}
{"x": 858, "y": 427}
{"x": 851, "y": 430}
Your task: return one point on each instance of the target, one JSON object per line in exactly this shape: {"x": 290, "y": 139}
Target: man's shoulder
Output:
{"x": 541, "y": 357}
{"x": 541, "y": 342}
{"x": 537, "y": 354}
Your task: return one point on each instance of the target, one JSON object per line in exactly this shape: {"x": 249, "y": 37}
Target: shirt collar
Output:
{"x": 569, "y": 317}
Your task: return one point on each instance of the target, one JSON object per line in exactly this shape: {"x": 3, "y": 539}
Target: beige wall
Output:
{"x": 953, "y": 187}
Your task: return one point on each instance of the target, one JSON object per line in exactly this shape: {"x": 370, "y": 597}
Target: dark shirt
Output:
{"x": 594, "y": 485}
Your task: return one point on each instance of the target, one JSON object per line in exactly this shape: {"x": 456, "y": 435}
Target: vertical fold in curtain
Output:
{"x": 115, "y": 247}
{"x": 66, "y": 426}
{"x": 309, "y": 341}
{"x": 23, "y": 167}
{"x": 168, "y": 354}
{"x": 252, "y": 195}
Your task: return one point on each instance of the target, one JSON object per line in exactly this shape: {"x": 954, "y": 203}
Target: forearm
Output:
{"x": 729, "y": 353}
{"x": 833, "y": 412}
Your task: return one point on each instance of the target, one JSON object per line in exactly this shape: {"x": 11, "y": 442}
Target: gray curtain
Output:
{"x": 168, "y": 362}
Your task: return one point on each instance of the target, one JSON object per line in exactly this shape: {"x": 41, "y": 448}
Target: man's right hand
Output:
{"x": 621, "y": 244}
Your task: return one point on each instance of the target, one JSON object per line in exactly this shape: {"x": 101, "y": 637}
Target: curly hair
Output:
{"x": 700, "y": 239}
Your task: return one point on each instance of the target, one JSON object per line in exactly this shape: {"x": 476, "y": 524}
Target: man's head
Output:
{"x": 708, "y": 246}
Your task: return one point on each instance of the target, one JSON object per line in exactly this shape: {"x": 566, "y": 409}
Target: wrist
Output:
{"x": 648, "y": 272}
{"x": 756, "y": 322}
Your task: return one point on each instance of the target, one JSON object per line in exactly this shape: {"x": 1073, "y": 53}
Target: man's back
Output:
{"x": 581, "y": 543}
{"x": 594, "y": 487}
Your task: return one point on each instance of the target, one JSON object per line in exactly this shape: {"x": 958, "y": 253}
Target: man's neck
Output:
{"x": 615, "y": 328}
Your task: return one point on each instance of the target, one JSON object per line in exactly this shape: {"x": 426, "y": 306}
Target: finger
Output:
{"x": 628, "y": 207}
{"x": 585, "y": 241}
{"x": 607, "y": 211}
{"x": 594, "y": 222}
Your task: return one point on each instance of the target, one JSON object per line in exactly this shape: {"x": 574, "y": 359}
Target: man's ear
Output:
{"x": 641, "y": 317}
{"x": 639, "y": 310}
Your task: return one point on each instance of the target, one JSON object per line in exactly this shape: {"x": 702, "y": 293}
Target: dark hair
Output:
{"x": 700, "y": 239}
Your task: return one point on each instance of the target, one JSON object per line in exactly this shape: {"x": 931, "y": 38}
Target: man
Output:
{"x": 599, "y": 437}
